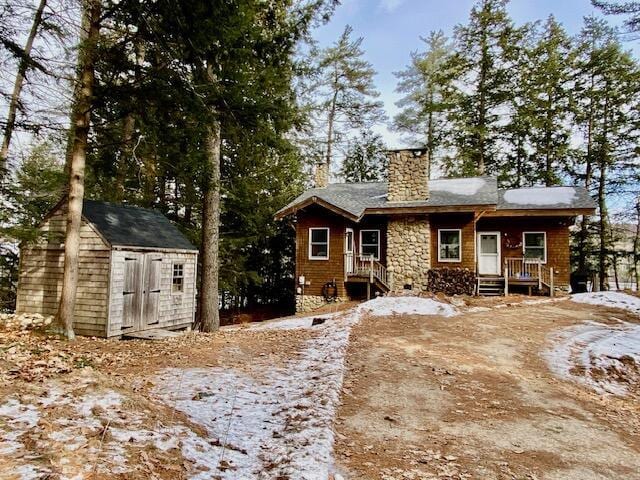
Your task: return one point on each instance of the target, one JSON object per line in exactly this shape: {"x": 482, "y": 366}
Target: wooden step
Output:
{"x": 490, "y": 286}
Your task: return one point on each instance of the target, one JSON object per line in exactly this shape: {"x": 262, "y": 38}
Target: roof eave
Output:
{"x": 318, "y": 201}
{"x": 542, "y": 212}
{"x": 399, "y": 210}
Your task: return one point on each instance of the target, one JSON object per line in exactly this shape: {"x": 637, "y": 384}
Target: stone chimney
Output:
{"x": 408, "y": 175}
{"x": 321, "y": 175}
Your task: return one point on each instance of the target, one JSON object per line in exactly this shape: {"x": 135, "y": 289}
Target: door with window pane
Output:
{"x": 489, "y": 253}
{"x": 370, "y": 243}
{"x": 349, "y": 259}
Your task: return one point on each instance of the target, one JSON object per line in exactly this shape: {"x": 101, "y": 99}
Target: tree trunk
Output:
{"x": 81, "y": 115}
{"x": 17, "y": 87}
{"x": 548, "y": 164}
{"x": 614, "y": 256}
{"x": 482, "y": 114}
{"x": 584, "y": 224}
{"x": 331, "y": 120}
{"x": 128, "y": 128}
{"x": 602, "y": 200}
{"x": 209, "y": 295}
{"x": 636, "y": 248}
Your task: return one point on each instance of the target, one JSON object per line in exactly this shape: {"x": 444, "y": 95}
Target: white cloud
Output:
{"x": 390, "y": 5}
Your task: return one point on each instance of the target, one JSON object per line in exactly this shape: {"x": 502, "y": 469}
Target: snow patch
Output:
{"x": 458, "y": 186}
{"x": 276, "y": 424}
{"x": 384, "y": 306}
{"x": 609, "y": 299}
{"x": 540, "y": 196}
{"x": 292, "y": 323}
{"x": 604, "y": 357}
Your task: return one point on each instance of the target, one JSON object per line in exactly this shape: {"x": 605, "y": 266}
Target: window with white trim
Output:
{"x": 370, "y": 243}
{"x": 177, "y": 280}
{"x": 534, "y": 246}
{"x": 318, "y": 244}
{"x": 449, "y": 245}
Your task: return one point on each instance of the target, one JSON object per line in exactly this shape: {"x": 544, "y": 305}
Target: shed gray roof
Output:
{"x": 123, "y": 225}
{"x": 355, "y": 199}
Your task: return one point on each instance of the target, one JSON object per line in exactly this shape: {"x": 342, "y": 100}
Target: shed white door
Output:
{"x": 152, "y": 277}
{"x": 132, "y": 291}
{"x": 489, "y": 253}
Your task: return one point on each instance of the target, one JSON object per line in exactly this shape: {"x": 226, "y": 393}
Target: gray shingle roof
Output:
{"x": 123, "y": 225}
{"x": 543, "y": 198}
{"x": 355, "y": 199}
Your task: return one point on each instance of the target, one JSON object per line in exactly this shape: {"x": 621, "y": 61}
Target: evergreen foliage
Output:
{"x": 366, "y": 159}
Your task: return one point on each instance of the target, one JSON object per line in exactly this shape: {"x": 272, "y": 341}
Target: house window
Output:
{"x": 370, "y": 243}
{"x": 319, "y": 244}
{"x": 177, "y": 281}
{"x": 449, "y": 243}
{"x": 534, "y": 245}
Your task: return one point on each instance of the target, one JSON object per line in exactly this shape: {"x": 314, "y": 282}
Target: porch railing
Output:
{"x": 365, "y": 266}
{"x": 527, "y": 269}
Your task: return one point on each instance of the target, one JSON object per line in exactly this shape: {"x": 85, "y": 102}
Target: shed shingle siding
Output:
{"x": 42, "y": 268}
{"x": 100, "y": 292}
{"x": 174, "y": 309}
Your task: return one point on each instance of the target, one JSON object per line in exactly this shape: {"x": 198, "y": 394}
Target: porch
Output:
{"x": 359, "y": 268}
{"x": 518, "y": 271}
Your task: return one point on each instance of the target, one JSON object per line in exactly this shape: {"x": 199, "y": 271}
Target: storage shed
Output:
{"x": 137, "y": 271}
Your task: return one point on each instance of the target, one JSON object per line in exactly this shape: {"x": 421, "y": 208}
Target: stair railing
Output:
{"x": 366, "y": 266}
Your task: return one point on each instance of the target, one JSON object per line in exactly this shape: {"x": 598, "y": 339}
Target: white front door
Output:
{"x": 349, "y": 260}
{"x": 489, "y": 253}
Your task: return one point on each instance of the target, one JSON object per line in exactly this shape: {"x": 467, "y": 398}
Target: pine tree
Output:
{"x": 630, "y": 8}
{"x": 609, "y": 92}
{"x": 18, "y": 84}
{"x": 81, "y": 117}
{"x": 548, "y": 80}
{"x": 479, "y": 95}
{"x": 422, "y": 107}
{"x": 366, "y": 160}
{"x": 345, "y": 91}
{"x": 517, "y": 167}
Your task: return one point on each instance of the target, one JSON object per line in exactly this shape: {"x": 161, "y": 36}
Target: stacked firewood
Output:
{"x": 451, "y": 281}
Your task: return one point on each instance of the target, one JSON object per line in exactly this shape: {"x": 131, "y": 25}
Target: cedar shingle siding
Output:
{"x": 557, "y": 229}
{"x": 319, "y": 272}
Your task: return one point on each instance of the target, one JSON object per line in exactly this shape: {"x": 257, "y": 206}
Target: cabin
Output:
{"x": 137, "y": 271}
{"x": 386, "y": 236}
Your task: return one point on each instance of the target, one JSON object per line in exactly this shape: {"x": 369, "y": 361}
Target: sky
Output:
{"x": 392, "y": 29}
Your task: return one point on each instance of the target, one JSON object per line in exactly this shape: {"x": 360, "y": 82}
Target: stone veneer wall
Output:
{"x": 408, "y": 176}
{"x": 408, "y": 252}
{"x": 321, "y": 176}
{"x": 308, "y": 303}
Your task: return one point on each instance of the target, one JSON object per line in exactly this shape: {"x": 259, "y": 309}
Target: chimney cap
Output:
{"x": 416, "y": 151}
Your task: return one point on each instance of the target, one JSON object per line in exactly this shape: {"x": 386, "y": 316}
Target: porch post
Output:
{"x": 551, "y": 292}
{"x": 506, "y": 279}
{"x": 539, "y": 276}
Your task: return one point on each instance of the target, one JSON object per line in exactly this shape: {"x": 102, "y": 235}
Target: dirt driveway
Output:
{"x": 471, "y": 397}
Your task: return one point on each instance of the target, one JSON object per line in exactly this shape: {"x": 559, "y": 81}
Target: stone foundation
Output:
{"x": 408, "y": 253}
{"x": 308, "y": 303}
